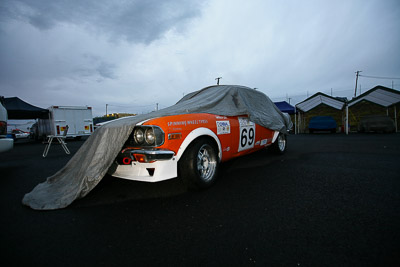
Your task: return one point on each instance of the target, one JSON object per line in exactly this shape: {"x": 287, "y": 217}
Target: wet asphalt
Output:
{"x": 331, "y": 200}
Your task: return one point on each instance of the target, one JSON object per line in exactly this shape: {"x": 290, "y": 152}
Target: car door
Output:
{"x": 248, "y": 136}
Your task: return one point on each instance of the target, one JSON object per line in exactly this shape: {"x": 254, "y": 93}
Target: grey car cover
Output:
{"x": 91, "y": 162}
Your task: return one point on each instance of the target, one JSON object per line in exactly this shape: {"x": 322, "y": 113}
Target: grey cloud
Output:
{"x": 93, "y": 66}
{"x": 134, "y": 21}
{"x": 106, "y": 70}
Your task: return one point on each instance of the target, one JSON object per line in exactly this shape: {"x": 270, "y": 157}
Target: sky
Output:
{"x": 135, "y": 56}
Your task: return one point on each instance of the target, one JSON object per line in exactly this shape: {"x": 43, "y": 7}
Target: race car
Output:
{"x": 193, "y": 145}
{"x": 18, "y": 134}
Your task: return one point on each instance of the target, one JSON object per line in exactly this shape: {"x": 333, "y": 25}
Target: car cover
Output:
{"x": 92, "y": 161}
{"x": 322, "y": 123}
{"x": 376, "y": 123}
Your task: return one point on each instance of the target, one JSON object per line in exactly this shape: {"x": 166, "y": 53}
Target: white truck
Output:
{"x": 78, "y": 118}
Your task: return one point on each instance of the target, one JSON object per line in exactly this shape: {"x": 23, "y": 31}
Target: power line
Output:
{"x": 378, "y": 77}
{"x": 131, "y": 106}
{"x": 308, "y": 93}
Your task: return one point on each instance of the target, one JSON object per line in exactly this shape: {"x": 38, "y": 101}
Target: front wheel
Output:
{"x": 280, "y": 145}
{"x": 198, "y": 166}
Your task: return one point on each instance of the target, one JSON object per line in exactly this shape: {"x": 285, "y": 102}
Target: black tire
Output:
{"x": 280, "y": 144}
{"x": 198, "y": 167}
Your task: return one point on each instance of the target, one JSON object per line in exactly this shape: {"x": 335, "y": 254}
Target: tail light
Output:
{"x": 3, "y": 128}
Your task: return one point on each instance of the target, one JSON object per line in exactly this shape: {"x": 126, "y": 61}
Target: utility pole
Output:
{"x": 156, "y": 106}
{"x": 357, "y": 74}
{"x": 106, "y": 109}
{"x": 218, "y": 78}
{"x": 289, "y": 99}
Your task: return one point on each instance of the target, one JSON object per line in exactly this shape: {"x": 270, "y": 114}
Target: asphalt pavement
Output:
{"x": 331, "y": 200}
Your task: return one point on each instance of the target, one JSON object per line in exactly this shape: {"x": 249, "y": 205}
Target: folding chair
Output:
{"x": 60, "y": 139}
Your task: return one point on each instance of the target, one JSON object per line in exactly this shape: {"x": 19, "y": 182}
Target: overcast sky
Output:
{"x": 134, "y": 54}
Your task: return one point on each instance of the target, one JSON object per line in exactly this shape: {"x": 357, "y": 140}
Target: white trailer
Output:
{"x": 78, "y": 119}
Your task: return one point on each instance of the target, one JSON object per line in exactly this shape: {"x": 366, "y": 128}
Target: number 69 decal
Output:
{"x": 247, "y": 134}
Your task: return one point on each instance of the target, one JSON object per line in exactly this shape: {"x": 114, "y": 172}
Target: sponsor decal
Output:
{"x": 245, "y": 122}
{"x": 221, "y": 117}
{"x": 223, "y": 127}
{"x": 264, "y": 142}
{"x": 175, "y": 123}
{"x": 184, "y": 123}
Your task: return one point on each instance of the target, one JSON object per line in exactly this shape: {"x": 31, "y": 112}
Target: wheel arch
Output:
{"x": 276, "y": 133}
{"x": 195, "y": 134}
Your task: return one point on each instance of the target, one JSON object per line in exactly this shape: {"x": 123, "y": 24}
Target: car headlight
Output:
{"x": 138, "y": 135}
{"x": 147, "y": 136}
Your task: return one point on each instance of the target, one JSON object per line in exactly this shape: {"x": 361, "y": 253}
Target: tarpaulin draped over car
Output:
{"x": 91, "y": 162}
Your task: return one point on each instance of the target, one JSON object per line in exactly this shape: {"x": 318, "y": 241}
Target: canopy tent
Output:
{"x": 313, "y": 102}
{"x": 19, "y": 109}
{"x": 285, "y": 107}
{"x": 379, "y": 95}
{"x": 318, "y": 99}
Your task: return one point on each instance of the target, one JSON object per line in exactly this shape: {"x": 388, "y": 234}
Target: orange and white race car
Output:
{"x": 191, "y": 146}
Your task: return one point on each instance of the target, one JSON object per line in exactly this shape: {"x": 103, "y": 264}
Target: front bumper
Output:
{"x": 147, "y": 165}
{"x": 144, "y": 155}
